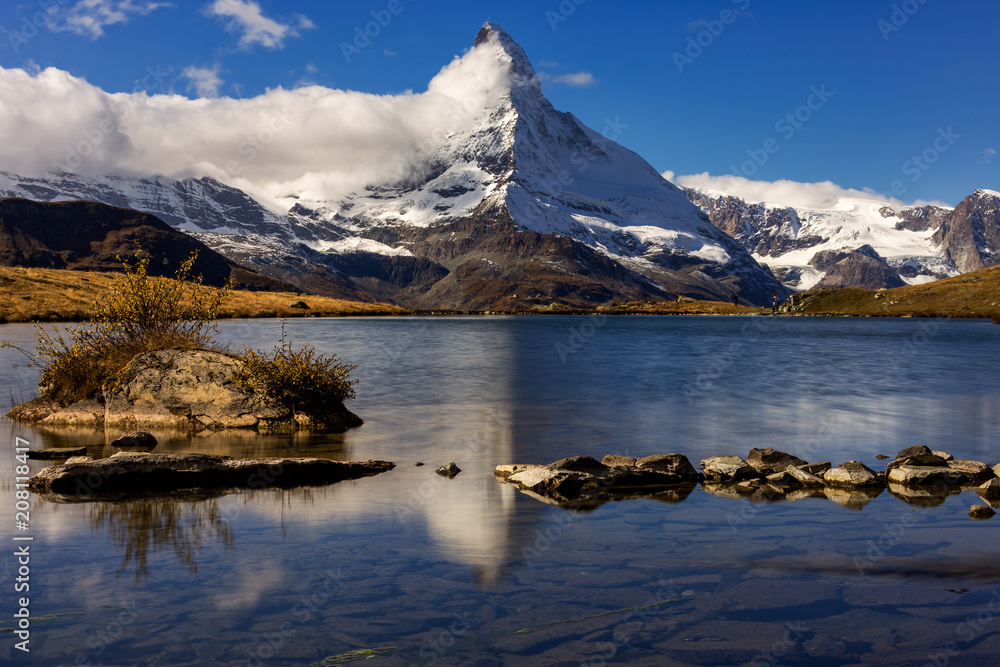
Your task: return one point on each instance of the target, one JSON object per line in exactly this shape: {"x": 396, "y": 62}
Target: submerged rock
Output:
{"x": 127, "y": 474}
{"x": 140, "y": 440}
{"x": 981, "y": 512}
{"x": 56, "y": 453}
{"x": 180, "y": 389}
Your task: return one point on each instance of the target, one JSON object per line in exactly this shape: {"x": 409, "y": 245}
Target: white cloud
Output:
{"x": 784, "y": 193}
{"x": 313, "y": 139}
{"x": 90, "y": 17}
{"x": 576, "y": 79}
{"x": 548, "y": 64}
{"x": 247, "y": 18}
{"x": 988, "y": 154}
{"x": 205, "y": 80}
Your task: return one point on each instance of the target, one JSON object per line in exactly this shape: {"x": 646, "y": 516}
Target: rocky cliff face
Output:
{"x": 970, "y": 236}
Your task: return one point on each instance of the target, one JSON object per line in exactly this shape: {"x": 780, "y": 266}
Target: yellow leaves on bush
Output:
{"x": 297, "y": 379}
{"x": 143, "y": 313}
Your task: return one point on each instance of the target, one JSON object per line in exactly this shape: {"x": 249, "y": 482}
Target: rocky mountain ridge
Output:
{"x": 876, "y": 244}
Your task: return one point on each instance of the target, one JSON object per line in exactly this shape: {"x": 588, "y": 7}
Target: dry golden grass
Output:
{"x": 52, "y": 295}
{"x": 974, "y": 294}
{"x": 682, "y": 308}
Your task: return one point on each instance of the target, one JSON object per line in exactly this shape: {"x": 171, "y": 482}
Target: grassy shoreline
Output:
{"x": 54, "y": 295}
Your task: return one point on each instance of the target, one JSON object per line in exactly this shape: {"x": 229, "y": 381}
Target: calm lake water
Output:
{"x": 468, "y": 571}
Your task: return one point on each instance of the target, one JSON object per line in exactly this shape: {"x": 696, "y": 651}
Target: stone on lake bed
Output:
{"x": 56, "y": 453}
{"x": 132, "y": 474}
{"x": 943, "y": 454}
{"x": 139, "y": 440}
{"x": 981, "y": 512}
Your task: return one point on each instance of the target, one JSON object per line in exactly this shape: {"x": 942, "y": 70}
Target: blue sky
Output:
{"x": 694, "y": 87}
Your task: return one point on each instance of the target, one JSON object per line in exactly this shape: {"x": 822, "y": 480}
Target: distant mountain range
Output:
{"x": 529, "y": 206}
{"x": 860, "y": 242}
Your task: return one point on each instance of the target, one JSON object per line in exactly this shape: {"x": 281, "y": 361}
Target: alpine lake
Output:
{"x": 412, "y": 568}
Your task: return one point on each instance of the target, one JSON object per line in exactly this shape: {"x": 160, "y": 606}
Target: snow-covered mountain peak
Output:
{"x": 509, "y": 51}
{"x": 983, "y": 193}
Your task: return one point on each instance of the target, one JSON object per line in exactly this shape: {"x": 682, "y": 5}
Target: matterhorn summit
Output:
{"x": 527, "y": 205}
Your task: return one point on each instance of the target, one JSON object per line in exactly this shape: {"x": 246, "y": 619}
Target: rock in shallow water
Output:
{"x": 449, "y": 470}
{"x": 768, "y": 461}
{"x": 728, "y": 469}
{"x": 56, "y": 453}
{"x": 128, "y": 474}
{"x": 853, "y": 474}
{"x": 140, "y": 440}
{"x": 981, "y": 512}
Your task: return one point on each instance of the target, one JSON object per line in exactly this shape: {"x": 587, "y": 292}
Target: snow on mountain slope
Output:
{"x": 191, "y": 205}
{"x": 788, "y": 239}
